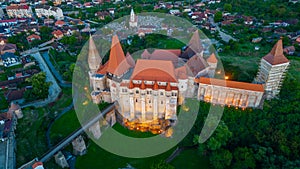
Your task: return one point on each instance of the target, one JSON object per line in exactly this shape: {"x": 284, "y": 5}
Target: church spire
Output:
{"x": 133, "y": 19}
{"x": 94, "y": 59}
{"x": 276, "y": 55}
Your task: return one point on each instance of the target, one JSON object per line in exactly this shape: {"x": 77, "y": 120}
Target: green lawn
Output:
{"x": 99, "y": 158}
{"x": 64, "y": 126}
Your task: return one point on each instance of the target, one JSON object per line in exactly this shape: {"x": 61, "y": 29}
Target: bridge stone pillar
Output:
{"x": 79, "y": 147}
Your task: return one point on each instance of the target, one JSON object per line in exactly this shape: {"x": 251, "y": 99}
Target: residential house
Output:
{"x": 7, "y": 47}
{"x": 10, "y": 59}
{"x": 8, "y": 22}
{"x": 58, "y": 34}
{"x": 59, "y": 23}
{"x": 33, "y": 37}
{"x": 290, "y": 50}
{"x": 19, "y": 11}
{"x": 48, "y": 21}
{"x": 102, "y": 15}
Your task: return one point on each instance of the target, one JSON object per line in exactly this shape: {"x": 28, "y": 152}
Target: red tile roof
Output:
{"x": 154, "y": 70}
{"x": 117, "y": 63}
{"x": 276, "y": 55}
{"x": 212, "y": 58}
{"x": 130, "y": 60}
{"x": 195, "y": 65}
{"x": 59, "y": 22}
{"x": 37, "y": 164}
{"x": 230, "y": 84}
{"x": 181, "y": 72}
{"x": 57, "y": 33}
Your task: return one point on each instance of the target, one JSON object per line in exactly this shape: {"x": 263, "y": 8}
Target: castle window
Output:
{"x": 161, "y": 102}
{"x": 148, "y": 92}
{"x": 136, "y": 100}
{"x": 161, "y": 93}
{"x": 149, "y": 101}
{"x": 137, "y": 92}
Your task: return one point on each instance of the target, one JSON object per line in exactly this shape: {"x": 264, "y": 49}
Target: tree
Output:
{"x": 218, "y": 16}
{"x": 161, "y": 165}
{"x": 243, "y": 158}
{"x": 40, "y": 88}
{"x": 46, "y": 33}
{"x": 228, "y": 7}
{"x": 220, "y": 159}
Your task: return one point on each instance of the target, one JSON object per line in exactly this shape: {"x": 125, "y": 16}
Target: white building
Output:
{"x": 133, "y": 19}
{"x": 47, "y": 11}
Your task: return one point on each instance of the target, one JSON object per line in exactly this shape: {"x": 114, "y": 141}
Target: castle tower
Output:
{"x": 94, "y": 58}
{"x": 60, "y": 159}
{"x": 212, "y": 62}
{"x": 194, "y": 47}
{"x": 79, "y": 147}
{"x": 117, "y": 64}
{"x": 272, "y": 70}
{"x": 133, "y": 19}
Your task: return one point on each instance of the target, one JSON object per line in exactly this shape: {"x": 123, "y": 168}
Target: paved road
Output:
{"x": 225, "y": 37}
{"x": 76, "y": 133}
{"x": 54, "y": 89}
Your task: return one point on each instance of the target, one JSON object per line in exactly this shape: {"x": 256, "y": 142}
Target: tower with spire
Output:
{"x": 94, "y": 59}
{"x": 133, "y": 19}
{"x": 94, "y": 62}
{"x": 272, "y": 70}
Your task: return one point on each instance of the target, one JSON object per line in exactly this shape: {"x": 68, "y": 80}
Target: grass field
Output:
{"x": 31, "y": 129}
{"x": 30, "y": 135}
{"x": 99, "y": 158}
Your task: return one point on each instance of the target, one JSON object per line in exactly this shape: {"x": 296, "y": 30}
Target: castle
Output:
{"x": 149, "y": 89}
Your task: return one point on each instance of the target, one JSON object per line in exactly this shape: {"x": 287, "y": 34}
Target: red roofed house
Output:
{"x": 33, "y": 37}
{"x": 59, "y": 23}
{"x": 290, "y": 50}
{"x": 38, "y": 165}
{"x": 58, "y": 34}
{"x": 7, "y": 47}
{"x": 19, "y": 11}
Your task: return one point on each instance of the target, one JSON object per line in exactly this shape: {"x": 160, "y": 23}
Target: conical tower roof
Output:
{"x": 117, "y": 64}
{"x": 168, "y": 88}
{"x": 276, "y": 55}
{"x": 94, "y": 59}
{"x": 212, "y": 58}
{"x": 143, "y": 86}
{"x": 195, "y": 43}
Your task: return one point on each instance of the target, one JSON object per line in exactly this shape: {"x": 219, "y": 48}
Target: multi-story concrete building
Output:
{"x": 19, "y": 11}
{"x": 47, "y": 11}
{"x": 272, "y": 70}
